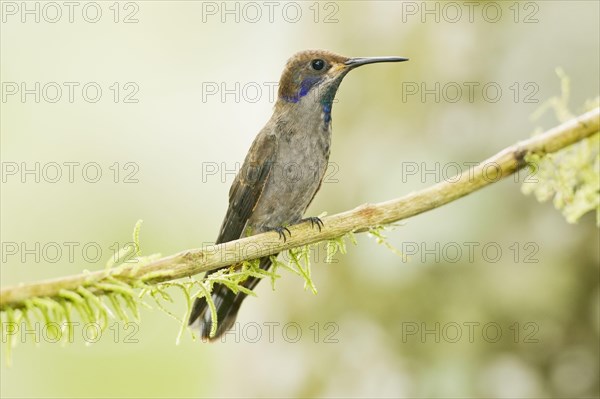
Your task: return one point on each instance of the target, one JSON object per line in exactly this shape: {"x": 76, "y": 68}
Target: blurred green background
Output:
{"x": 516, "y": 317}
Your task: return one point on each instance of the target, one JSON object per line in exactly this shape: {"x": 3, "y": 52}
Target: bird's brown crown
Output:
{"x": 306, "y": 69}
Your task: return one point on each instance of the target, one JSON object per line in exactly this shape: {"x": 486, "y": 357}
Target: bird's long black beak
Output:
{"x": 356, "y": 62}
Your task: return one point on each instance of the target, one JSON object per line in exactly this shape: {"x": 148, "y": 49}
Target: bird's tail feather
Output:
{"x": 227, "y": 304}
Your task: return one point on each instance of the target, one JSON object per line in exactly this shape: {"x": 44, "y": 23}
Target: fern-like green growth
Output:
{"x": 377, "y": 233}
{"x": 89, "y": 301}
{"x": 570, "y": 177}
{"x": 119, "y": 298}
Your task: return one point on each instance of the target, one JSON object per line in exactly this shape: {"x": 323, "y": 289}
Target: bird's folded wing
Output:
{"x": 248, "y": 186}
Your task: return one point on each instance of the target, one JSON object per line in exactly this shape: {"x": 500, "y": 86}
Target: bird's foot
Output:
{"x": 281, "y": 231}
{"x": 313, "y": 221}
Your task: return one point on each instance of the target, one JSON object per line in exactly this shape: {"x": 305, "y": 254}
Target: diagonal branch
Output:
{"x": 194, "y": 261}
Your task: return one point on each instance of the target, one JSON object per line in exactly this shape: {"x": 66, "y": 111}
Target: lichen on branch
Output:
{"x": 124, "y": 285}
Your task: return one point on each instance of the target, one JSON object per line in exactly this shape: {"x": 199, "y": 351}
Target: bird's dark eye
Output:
{"x": 317, "y": 64}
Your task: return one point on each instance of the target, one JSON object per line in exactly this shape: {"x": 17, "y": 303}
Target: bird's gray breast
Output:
{"x": 301, "y": 162}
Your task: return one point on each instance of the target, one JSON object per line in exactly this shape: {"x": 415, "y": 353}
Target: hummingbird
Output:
{"x": 283, "y": 169}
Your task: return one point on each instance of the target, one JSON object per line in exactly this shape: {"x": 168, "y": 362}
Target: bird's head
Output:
{"x": 322, "y": 71}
